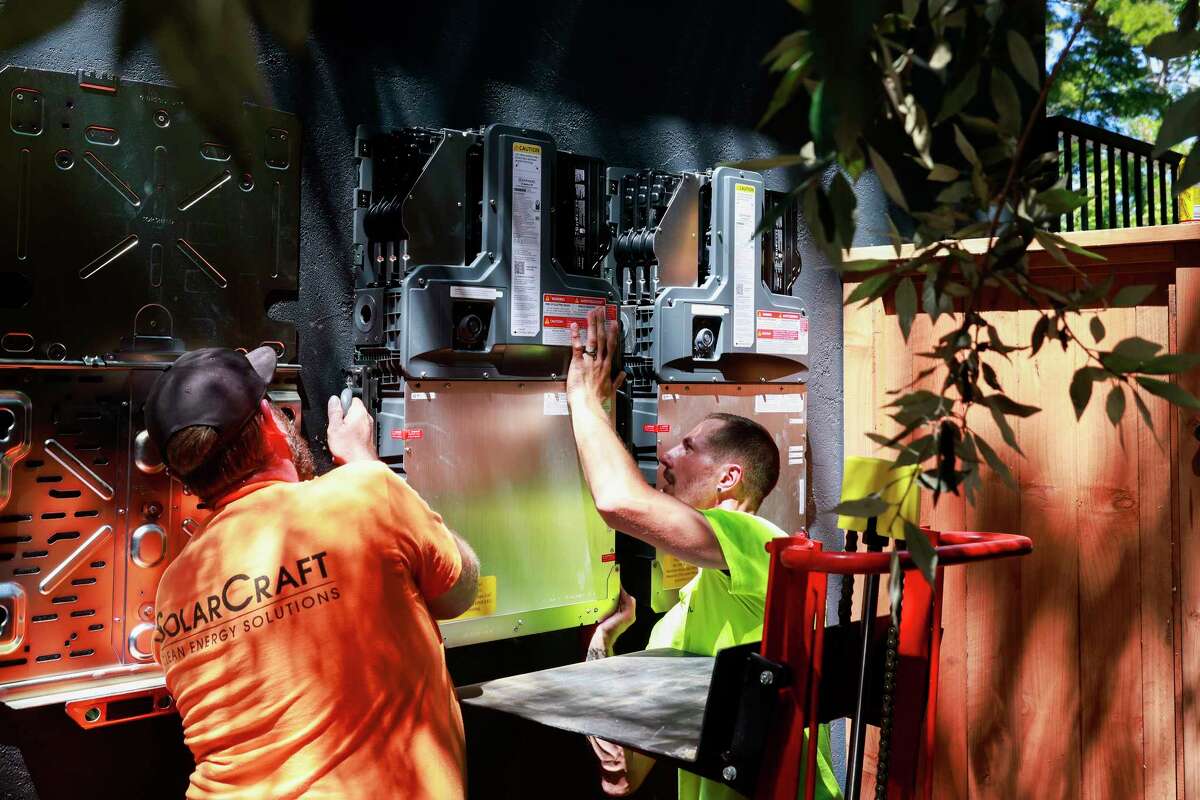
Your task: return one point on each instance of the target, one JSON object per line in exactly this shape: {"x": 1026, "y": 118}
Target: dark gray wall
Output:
{"x": 669, "y": 84}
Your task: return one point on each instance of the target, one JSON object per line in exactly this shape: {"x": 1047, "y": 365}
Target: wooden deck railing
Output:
{"x": 1128, "y": 186}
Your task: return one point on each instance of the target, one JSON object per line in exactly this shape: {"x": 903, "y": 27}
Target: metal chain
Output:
{"x": 846, "y": 602}
{"x": 891, "y": 659}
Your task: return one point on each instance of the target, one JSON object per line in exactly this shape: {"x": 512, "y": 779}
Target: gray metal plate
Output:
{"x": 498, "y": 461}
{"x": 122, "y": 218}
{"x": 652, "y": 701}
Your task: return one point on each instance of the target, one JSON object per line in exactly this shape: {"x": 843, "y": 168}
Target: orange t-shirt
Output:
{"x": 299, "y": 648}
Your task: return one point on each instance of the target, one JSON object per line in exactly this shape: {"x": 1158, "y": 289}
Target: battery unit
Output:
{"x": 474, "y": 253}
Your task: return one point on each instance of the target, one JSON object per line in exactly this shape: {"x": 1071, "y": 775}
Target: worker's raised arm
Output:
{"x": 624, "y": 500}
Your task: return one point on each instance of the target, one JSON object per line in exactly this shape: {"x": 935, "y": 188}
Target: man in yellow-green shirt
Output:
{"x": 716, "y": 478}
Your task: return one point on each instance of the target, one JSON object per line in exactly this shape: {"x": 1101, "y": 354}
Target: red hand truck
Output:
{"x": 794, "y": 635}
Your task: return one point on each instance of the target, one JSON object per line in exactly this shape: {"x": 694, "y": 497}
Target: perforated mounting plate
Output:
{"x": 91, "y": 524}
{"x": 122, "y": 219}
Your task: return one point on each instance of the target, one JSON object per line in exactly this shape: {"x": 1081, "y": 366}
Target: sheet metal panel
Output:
{"x": 498, "y": 461}
{"x": 125, "y": 226}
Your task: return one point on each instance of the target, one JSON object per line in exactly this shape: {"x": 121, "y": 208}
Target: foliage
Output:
{"x": 204, "y": 45}
{"x": 1107, "y": 79}
{"x": 941, "y": 98}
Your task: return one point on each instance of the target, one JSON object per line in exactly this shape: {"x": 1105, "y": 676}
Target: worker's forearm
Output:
{"x": 611, "y": 472}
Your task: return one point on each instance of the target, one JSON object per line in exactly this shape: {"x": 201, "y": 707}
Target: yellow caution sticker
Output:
{"x": 485, "y": 599}
{"x": 675, "y": 573}
{"x": 745, "y": 187}
{"x": 522, "y": 147}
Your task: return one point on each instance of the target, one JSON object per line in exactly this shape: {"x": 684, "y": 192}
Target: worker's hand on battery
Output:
{"x": 351, "y": 435}
{"x": 589, "y": 375}
{"x": 611, "y": 627}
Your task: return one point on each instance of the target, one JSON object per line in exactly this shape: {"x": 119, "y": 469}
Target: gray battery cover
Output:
{"x": 514, "y": 280}
{"x": 752, "y": 322}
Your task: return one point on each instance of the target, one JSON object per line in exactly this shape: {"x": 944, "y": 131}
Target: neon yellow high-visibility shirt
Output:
{"x": 716, "y": 610}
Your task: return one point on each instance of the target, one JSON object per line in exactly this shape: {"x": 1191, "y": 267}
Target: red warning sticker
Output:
{"x": 607, "y": 557}
{"x": 560, "y": 310}
{"x": 660, "y": 428}
{"x": 784, "y": 332}
{"x": 408, "y": 433}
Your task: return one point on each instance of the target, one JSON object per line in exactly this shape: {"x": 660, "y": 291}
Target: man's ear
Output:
{"x": 731, "y": 476}
{"x": 277, "y": 437}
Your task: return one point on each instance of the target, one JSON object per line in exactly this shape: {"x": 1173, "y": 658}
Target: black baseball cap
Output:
{"x": 215, "y": 386}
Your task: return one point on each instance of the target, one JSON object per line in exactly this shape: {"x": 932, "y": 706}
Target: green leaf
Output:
{"x": 941, "y": 56}
{"x": 1081, "y": 390}
{"x": 1190, "y": 175}
{"x": 955, "y": 193}
{"x": 789, "y": 84}
{"x": 906, "y": 305}
{"x": 1171, "y": 364}
{"x": 1039, "y": 334}
{"x": 871, "y": 288}
{"x": 887, "y": 178}
{"x": 964, "y": 146}
{"x": 1114, "y": 406}
{"x": 1007, "y": 103}
{"x": 1173, "y": 44}
{"x": 1097, "y": 328}
{"x": 1022, "y": 58}
{"x": 957, "y": 98}
{"x": 760, "y": 164}
{"x": 1130, "y": 296}
{"x": 1137, "y": 348}
{"x": 915, "y": 452}
{"x": 923, "y": 553}
{"x": 1180, "y": 121}
{"x": 1009, "y": 406}
{"x": 943, "y": 173}
{"x": 842, "y": 202}
{"x": 790, "y": 42}
{"x": 1048, "y": 243}
{"x": 1060, "y": 200}
{"x": 870, "y": 506}
{"x": 1170, "y": 391}
{"x": 994, "y": 461}
{"x": 1074, "y": 248}
{"x": 864, "y": 265}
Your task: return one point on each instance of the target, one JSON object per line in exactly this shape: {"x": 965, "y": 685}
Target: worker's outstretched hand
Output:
{"x": 611, "y": 627}
{"x": 351, "y": 435}
{"x": 589, "y": 376}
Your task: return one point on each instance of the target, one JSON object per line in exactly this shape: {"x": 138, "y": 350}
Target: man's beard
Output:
{"x": 301, "y": 454}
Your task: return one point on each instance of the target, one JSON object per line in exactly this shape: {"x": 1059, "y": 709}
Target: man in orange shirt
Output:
{"x": 297, "y": 628}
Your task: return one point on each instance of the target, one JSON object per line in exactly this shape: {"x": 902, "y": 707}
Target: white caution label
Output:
{"x": 783, "y": 332}
{"x": 475, "y": 293}
{"x": 744, "y": 279}
{"x": 560, "y": 310}
{"x": 554, "y": 404}
{"x": 779, "y": 403}
{"x": 524, "y": 309}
